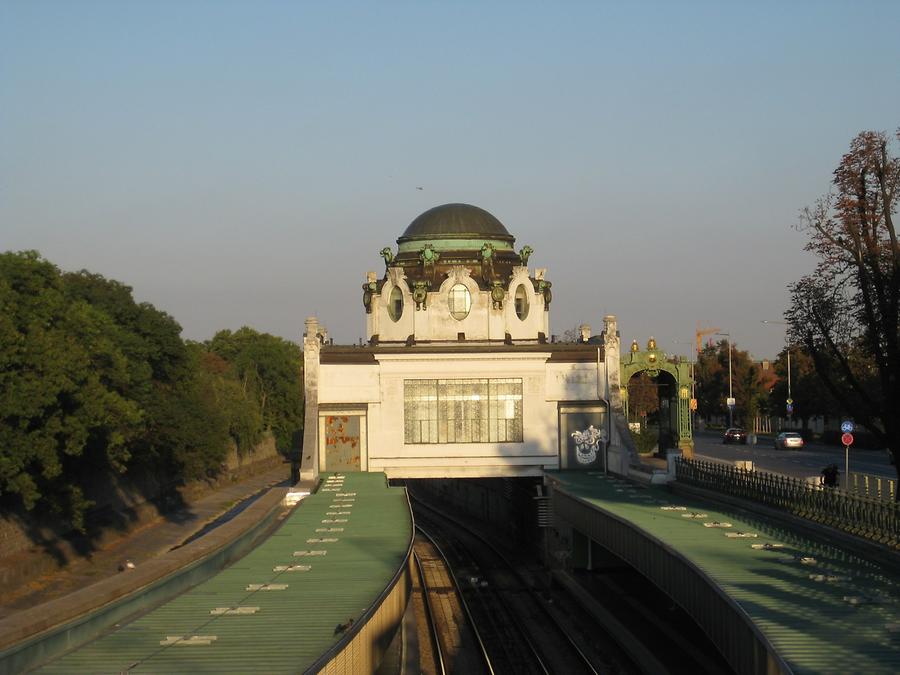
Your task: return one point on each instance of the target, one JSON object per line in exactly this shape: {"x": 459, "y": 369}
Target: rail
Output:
{"x": 873, "y": 519}
{"x": 429, "y": 615}
{"x": 519, "y": 626}
{"x": 876, "y": 487}
{"x": 482, "y": 648}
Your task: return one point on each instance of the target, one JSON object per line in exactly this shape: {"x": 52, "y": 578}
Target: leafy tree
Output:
{"x": 239, "y": 409}
{"x": 94, "y": 385}
{"x": 64, "y": 410}
{"x": 268, "y": 369}
{"x": 643, "y": 396}
{"x": 847, "y": 314}
{"x": 151, "y": 338}
{"x": 811, "y": 398}
{"x": 748, "y": 383}
{"x": 184, "y": 435}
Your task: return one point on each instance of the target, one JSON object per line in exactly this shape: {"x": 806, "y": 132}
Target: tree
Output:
{"x": 811, "y": 398}
{"x": 643, "y": 397}
{"x": 268, "y": 369}
{"x": 184, "y": 435}
{"x": 65, "y": 412}
{"x": 94, "y": 386}
{"x": 846, "y": 314}
{"x": 747, "y": 382}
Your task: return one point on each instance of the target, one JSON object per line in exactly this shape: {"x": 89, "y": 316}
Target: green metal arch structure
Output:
{"x": 653, "y": 362}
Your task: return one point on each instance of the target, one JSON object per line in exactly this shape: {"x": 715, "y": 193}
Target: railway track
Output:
{"x": 612, "y": 619}
{"x": 454, "y": 644}
{"x": 512, "y": 622}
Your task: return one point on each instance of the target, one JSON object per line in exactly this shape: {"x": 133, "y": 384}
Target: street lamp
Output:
{"x": 730, "y": 401}
{"x": 790, "y": 400}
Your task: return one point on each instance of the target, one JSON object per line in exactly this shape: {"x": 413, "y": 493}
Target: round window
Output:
{"x": 395, "y": 304}
{"x": 460, "y": 302}
{"x": 521, "y": 302}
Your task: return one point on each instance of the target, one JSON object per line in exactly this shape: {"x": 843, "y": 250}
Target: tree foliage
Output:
{"x": 643, "y": 396}
{"x": 845, "y": 315}
{"x": 748, "y": 383}
{"x": 268, "y": 370}
{"x": 811, "y": 398}
{"x": 94, "y": 385}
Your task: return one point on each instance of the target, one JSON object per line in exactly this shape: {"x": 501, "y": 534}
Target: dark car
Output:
{"x": 735, "y": 435}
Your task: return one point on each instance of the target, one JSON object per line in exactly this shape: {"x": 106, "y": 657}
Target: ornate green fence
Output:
{"x": 874, "y": 519}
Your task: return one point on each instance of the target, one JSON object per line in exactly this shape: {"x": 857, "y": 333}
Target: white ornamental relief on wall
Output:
{"x": 587, "y": 444}
{"x": 396, "y": 275}
{"x": 458, "y": 273}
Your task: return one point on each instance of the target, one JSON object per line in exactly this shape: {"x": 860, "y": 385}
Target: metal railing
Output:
{"x": 873, "y": 519}
{"x": 876, "y": 487}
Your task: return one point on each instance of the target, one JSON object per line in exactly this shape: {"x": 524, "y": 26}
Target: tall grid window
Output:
{"x": 463, "y": 411}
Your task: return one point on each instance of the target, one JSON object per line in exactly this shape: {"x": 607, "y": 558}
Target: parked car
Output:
{"x": 788, "y": 439}
{"x": 735, "y": 435}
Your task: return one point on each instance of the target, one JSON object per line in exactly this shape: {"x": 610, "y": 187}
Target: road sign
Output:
{"x": 847, "y": 439}
{"x": 847, "y": 427}
{"x": 790, "y": 401}
{"x": 693, "y": 404}
{"x": 729, "y": 402}
{"x": 789, "y": 408}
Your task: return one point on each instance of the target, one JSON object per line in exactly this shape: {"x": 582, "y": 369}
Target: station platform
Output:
{"x": 813, "y": 606}
{"x": 295, "y": 603}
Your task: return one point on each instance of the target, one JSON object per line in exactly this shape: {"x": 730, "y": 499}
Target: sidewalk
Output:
{"x": 142, "y": 544}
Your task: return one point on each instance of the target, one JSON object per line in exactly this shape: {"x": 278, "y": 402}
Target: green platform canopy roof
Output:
{"x": 834, "y": 612}
{"x": 234, "y": 623}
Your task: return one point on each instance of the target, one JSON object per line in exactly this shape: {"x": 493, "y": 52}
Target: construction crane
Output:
{"x": 701, "y": 332}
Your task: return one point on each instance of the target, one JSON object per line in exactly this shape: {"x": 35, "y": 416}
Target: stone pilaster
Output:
{"x": 621, "y": 450}
{"x": 309, "y": 457}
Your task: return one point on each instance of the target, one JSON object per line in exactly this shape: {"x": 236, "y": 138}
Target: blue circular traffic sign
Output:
{"x": 847, "y": 427}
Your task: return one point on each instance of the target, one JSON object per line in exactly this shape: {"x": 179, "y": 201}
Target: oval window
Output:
{"x": 395, "y": 304}
{"x": 521, "y": 302}
{"x": 460, "y": 302}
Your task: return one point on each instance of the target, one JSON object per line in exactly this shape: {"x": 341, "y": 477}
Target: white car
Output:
{"x": 788, "y": 439}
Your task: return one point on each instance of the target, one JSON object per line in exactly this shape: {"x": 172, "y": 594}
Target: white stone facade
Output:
{"x": 436, "y": 387}
{"x": 368, "y": 384}
{"x": 434, "y": 322}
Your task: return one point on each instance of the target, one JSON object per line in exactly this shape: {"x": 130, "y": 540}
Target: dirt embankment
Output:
{"x": 32, "y": 548}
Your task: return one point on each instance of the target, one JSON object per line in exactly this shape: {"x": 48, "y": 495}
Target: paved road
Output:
{"x": 808, "y": 461}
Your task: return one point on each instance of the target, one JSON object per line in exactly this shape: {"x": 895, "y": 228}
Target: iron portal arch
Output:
{"x": 654, "y": 361}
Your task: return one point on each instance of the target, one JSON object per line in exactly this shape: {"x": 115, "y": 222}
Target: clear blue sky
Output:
{"x": 244, "y": 162}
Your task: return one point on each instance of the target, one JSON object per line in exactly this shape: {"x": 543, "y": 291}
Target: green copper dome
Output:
{"x": 456, "y": 221}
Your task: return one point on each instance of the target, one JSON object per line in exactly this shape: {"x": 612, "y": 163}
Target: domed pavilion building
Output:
{"x": 457, "y": 276}
{"x": 459, "y": 376}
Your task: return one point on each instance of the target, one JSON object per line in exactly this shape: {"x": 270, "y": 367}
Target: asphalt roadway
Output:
{"x": 807, "y": 461}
